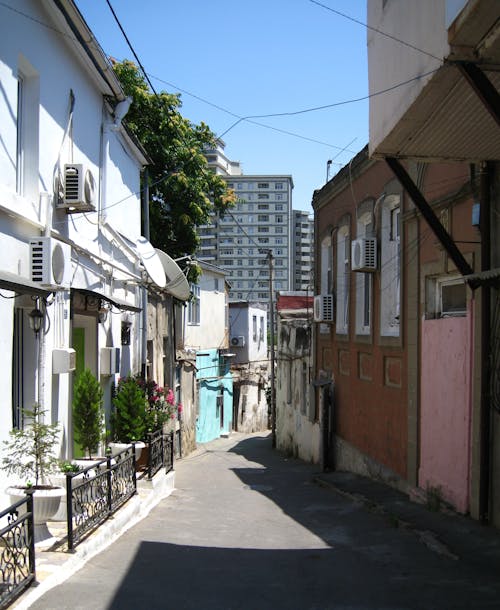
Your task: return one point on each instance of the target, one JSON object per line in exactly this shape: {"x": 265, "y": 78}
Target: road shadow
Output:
{"x": 366, "y": 562}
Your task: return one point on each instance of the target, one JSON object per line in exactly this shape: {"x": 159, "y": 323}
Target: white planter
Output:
{"x": 117, "y": 447}
{"x": 45, "y": 505}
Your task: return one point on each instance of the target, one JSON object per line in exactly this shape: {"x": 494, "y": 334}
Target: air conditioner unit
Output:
{"x": 63, "y": 360}
{"x": 323, "y": 308}
{"x": 79, "y": 189}
{"x": 50, "y": 262}
{"x": 110, "y": 360}
{"x": 364, "y": 254}
{"x": 238, "y": 341}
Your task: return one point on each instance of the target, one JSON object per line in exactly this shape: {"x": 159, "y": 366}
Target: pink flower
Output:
{"x": 180, "y": 408}
{"x": 170, "y": 397}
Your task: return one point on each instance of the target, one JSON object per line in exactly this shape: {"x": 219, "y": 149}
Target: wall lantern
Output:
{"x": 36, "y": 320}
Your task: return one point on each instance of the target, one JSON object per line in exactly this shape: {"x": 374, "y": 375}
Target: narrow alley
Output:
{"x": 248, "y": 528}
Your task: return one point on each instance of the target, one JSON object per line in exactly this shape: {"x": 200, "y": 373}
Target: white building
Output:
{"x": 260, "y": 222}
{"x": 250, "y": 365}
{"x": 70, "y": 217}
{"x": 302, "y": 250}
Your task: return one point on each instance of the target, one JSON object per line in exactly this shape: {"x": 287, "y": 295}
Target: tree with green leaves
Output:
{"x": 31, "y": 452}
{"x": 183, "y": 190}
{"x": 87, "y": 411}
{"x": 128, "y": 420}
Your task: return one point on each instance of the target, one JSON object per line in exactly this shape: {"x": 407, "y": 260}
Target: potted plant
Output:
{"x": 87, "y": 412}
{"x": 128, "y": 420}
{"x": 30, "y": 453}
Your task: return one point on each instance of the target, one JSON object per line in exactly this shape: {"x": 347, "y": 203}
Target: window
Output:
{"x": 278, "y": 185}
{"x": 278, "y": 230}
{"x": 278, "y": 240}
{"x": 239, "y": 186}
{"x": 263, "y": 206}
{"x": 263, "y": 240}
{"x": 390, "y": 266}
{"x": 279, "y": 218}
{"x": 278, "y": 197}
{"x": 263, "y": 185}
{"x": 263, "y": 195}
{"x": 263, "y": 217}
{"x": 261, "y": 328}
{"x": 254, "y": 328}
{"x": 446, "y": 297}
{"x": 364, "y": 280}
{"x": 279, "y": 207}
{"x": 250, "y": 207}
{"x": 342, "y": 301}
{"x": 27, "y": 153}
{"x": 263, "y": 229}
{"x": 194, "y": 306}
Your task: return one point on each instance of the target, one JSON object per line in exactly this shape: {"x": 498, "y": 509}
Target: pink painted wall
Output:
{"x": 445, "y": 408}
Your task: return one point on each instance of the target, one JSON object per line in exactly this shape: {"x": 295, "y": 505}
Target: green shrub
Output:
{"x": 87, "y": 411}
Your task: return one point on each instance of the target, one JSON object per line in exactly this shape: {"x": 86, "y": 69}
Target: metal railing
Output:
{"x": 96, "y": 492}
{"x": 17, "y": 550}
{"x": 161, "y": 452}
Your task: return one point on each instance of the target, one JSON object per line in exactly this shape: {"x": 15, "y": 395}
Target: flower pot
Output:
{"x": 46, "y": 501}
{"x": 117, "y": 447}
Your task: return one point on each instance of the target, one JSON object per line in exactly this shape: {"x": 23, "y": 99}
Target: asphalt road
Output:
{"x": 247, "y": 528}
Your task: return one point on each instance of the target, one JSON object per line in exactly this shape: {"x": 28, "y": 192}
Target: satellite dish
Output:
{"x": 177, "y": 284}
{"x": 151, "y": 262}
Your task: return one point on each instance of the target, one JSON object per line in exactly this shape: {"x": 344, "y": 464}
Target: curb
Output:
{"x": 136, "y": 509}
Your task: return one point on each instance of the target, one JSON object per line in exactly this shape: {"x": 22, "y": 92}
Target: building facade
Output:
{"x": 249, "y": 365}
{"x": 302, "y": 251}
{"x": 261, "y": 221}
{"x": 450, "y": 110}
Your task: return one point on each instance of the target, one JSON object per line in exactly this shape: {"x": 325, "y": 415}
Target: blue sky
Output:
{"x": 255, "y": 58}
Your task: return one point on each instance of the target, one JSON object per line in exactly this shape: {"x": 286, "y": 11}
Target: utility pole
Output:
{"x": 270, "y": 259}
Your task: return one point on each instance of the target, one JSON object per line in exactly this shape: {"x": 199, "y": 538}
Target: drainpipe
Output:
{"x": 485, "y": 413}
{"x": 271, "y": 336}
{"x": 145, "y": 220}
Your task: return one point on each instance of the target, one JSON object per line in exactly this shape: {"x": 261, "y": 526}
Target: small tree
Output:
{"x": 30, "y": 453}
{"x": 128, "y": 420}
{"x": 87, "y": 411}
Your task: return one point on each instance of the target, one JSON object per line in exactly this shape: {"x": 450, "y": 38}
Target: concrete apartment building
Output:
{"x": 302, "y": 250}
{"x": 262, "y": 220}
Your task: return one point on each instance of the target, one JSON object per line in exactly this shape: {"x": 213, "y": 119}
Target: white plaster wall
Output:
{"x": 38, "y": 42}
{"x": 211, "y": 332}
{"x": 422, "y": 24}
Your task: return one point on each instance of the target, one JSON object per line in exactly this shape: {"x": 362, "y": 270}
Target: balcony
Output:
{"x": 437, "y": 114}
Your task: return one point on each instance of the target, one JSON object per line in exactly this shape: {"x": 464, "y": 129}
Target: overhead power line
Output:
{"x": 369, "y": 27}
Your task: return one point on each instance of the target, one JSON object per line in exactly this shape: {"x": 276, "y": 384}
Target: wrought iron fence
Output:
{"x": 17, "y": 550}
{"x": 95, "y": 493}
{"x": 161, "y": 452}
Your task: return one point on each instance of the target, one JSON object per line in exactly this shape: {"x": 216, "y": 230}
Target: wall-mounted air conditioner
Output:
{"x": 364, "y": 254}
{"x": 110, "y": 360}
{"x": 238, "y": 341}
{"x": 50, "y": 262}
{"x": 63, "y": 360}
{"x": 79, "y": 190}
{"x": 323, "y": 308}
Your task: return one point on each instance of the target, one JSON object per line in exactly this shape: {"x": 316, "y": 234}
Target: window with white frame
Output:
{"x": 342, "y": 300}
{"x": 254, "y": 328}
{"x": 364, "y": 228}
{"x": 194, "y": 306}
{"x": 390, "y": 266}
